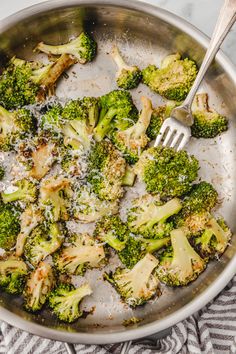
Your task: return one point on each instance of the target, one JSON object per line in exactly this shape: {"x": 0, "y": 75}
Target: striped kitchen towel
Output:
{"x": 210, "y": 331}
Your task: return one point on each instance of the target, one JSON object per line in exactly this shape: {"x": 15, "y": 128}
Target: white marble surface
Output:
{"x": 201, "y": 13}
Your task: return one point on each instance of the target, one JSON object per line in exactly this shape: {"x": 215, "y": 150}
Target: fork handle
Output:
{"x": 224, "y": 23}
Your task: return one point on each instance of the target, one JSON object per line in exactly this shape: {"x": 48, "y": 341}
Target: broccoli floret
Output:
{"x": 69, "y": 124}
{"x": 183, "y": 264}
{"x": 9, "y": 225}
{"x": 133, "y": 140}
{"x": 76, "y": 130}
{"x": 174, "y": 79}
{"x": 55, "y": 194}
{"x": 82, "y": 253}
{"x": 51, "y": 122}
{"x": 159, "y": 114}
{"x": 83, "y": 48}
{"x": 133, "y": 251}
{"x": 89, "y": 208}
{"x": 207, "y": 122}
{"x": 127, "y": 77}
{"x": 14, "y": 127}
{"x": 30, "y": 218}
{"x": 65, "y": 301}
{"x": 38, "y": 287}
{"x": 201, "y": 199}
{"x": 27, "y": 191}
{"x": 213, "y": 241}
{"x": 13, "y": 272}
{"x": 148, "y": 215}
{"x": 166, "y": 171}
{"x": 45, "y": 239}
{"x": 116, "y": 106}
{"x": 106, "y": 169}
{"x": 113, "y": 231}
{"x": 91, "y": 106}
{"x": 23, "y": 83}
{"x": 138, "y": 285}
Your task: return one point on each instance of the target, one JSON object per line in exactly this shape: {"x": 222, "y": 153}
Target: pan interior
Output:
{"x": 143, "y": 39}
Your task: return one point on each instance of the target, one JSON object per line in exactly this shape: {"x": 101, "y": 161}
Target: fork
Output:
{"x": 176, "y": 130}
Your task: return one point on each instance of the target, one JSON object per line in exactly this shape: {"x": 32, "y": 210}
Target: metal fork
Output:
{"x": 176, "y": 130}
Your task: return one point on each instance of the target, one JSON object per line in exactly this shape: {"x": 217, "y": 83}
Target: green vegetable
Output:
{"x": 65, "y": 301}
{"x": 166, "y": 171}
{"x": 127, "y": 77}
{"x": 174, "y": 78}
{"x": 138, "y": 285}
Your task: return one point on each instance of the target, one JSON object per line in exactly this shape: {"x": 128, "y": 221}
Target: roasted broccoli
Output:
{"x": 55, "y": 194}
{"x": 91, "y": 106}
{"x": 43, "y": 240}
{"x": 23, "y": 83}
{"x": 51, "y": 122}
{"x": 207, "y": 122}
{"x": 38, "y": 287}
{"x": 65, "y": 301}
{"x": 195, "y": 207}
{"x": 9, "y": 225}
{"x": 166, "y": 171}
{"x": 81, "y": 253}
{"x": 137, "y": 247}
{"x": 83, "y": 48}
{"x": 174, "y": 79}
{"x": 213, "y": 241}
{"x": 183, "y": 264}
{"x": 133, "y": 140}
{"x": 14, "y": 127}
{"x": 149, "y": 216}
{"x": 76, "y": 129}
{"x": 42, "y": 158}
{"x": 138, "y": 285}
{"x": 127, "y": 77}
{"x": 89, "y": 208}
{"x": 13, "y": 272}
{"x": 132, "y": 252}
{"x": 27, "y": 191}
{"x": 111, "y": 230}
{"x": 159, "y": 114}
{"x": 106, "y": 169}
{"x": 30, "y": 218}
{"x": 117, "y": 110}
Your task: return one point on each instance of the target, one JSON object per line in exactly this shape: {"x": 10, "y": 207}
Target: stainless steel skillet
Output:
{"x": 145, "y": 34}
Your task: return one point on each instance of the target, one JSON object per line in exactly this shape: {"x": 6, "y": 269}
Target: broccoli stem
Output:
{"x": 201, "y": 102}
{"x": 114, "y": 242}
{"x": 104, "y": 124}
{"x": 214, "y": 229}
{"x": 49, "y": 78}
{"x": 160, "y": 213}
{"x": 119, "y": 60}
{"x": 129, "y": 177}
{"x": 184, "y": 256}
{"x": 14, "y": 196}
{"x": 153, "y": 245}
{"x": 144, "y": 119}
